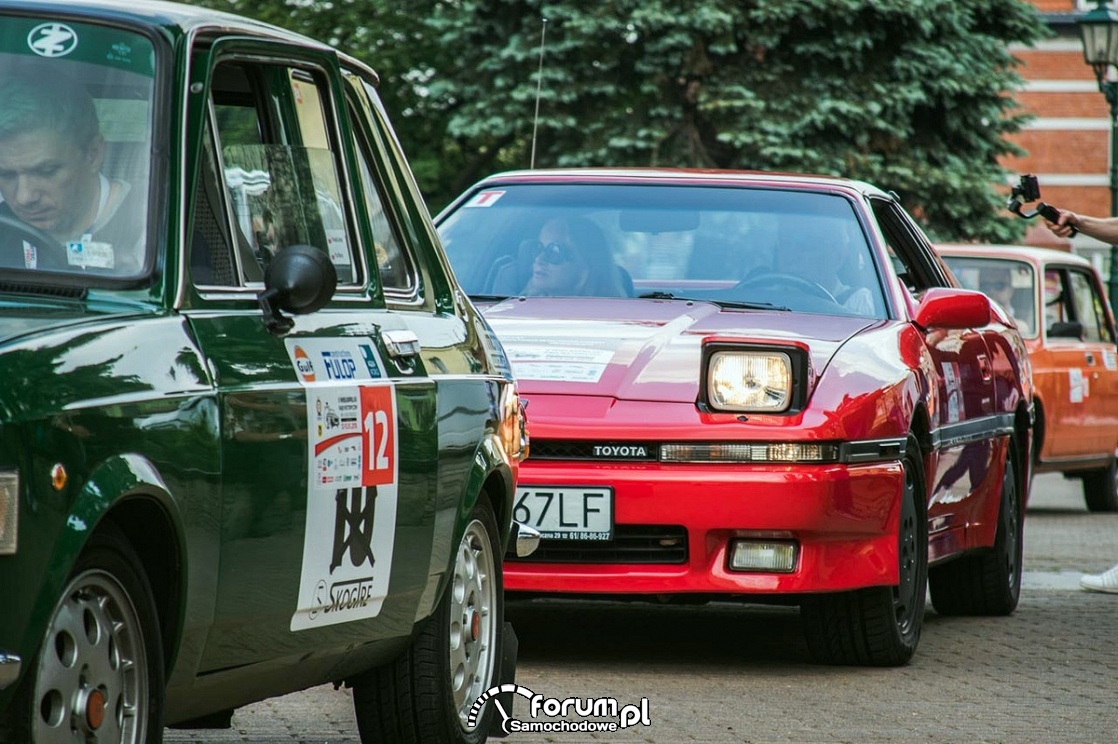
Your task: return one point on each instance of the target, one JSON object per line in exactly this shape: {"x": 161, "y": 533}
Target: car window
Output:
{"x": 909, "y": 254}
{"x": 1089, "y": 307}
{"x": 1057, "y": 307}
{"x": 803, "y": 251}
{"x": 276, "y": 168}
{"x": 76, "y": 144}
{"x": 1010, "y": 283}
{"x": 395, "y": 266}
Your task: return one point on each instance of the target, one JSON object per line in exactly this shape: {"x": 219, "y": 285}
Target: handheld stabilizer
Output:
{"x": 1028, "y": 190}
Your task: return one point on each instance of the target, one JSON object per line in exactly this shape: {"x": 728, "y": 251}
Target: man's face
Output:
{"x": 50, "y": 182}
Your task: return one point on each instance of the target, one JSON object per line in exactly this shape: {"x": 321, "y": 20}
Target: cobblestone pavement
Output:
{"x": 730, "y": 673}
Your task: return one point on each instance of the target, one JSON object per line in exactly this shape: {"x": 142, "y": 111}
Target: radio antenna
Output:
{"x": 539, "y": 85}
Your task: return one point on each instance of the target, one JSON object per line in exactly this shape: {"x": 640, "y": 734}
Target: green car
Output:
{"x": 253, "y": 436}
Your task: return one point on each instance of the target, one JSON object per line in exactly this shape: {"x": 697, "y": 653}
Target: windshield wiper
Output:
{"x": 735, "y": 304}
{"x": 488, "y": 297}
{"x": 738, "y": 305}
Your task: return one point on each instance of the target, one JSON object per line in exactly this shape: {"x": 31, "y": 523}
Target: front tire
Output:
{"x": 99, "y": 673}
{"x": 879, "y": 626}
{"x": 428, "y": 694}
{"x": 1100, "y": 488}
{"x": 987, "y": 582}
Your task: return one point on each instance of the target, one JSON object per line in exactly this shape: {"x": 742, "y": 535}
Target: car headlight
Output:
{"x": 9, "y": 512}
{"x": 750, "y": 381}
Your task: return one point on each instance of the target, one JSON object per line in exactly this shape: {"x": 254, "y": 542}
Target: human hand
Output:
{"x": 1067, "y": 226}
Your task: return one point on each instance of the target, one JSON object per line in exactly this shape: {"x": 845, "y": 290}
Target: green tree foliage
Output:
{"x": 911, "y": 95}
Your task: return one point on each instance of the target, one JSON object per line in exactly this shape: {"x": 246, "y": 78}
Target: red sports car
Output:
{"x": 753, "y": 386}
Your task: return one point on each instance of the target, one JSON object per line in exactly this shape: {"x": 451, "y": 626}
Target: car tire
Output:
{"x": 428, "y": 694}
{"x": 879, "y": 626}
{"x": 101, "y": 660}
{"x": 987, "y": 582}
{"x": 1100, "y": 488}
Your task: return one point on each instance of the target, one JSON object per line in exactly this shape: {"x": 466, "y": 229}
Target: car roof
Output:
{"x": 680, "y": 176}
{"x": 169, "y": 15}
{"x": 1030, "y": 253}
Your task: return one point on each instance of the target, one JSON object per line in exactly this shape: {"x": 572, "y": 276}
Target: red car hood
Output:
{"x": 642, "y": 349}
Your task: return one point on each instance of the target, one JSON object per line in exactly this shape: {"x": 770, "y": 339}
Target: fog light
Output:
{"x": 763, "y": 555}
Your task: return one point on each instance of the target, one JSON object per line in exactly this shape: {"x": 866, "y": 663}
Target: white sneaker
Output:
{"x": 1107, "y": 581}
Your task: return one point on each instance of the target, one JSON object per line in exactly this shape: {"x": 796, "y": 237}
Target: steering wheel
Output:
{"x": 31, "y": 234}
{"x": 789, "y": 280}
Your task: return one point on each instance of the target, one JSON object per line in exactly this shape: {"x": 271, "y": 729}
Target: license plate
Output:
{"x": 566, "y": 512}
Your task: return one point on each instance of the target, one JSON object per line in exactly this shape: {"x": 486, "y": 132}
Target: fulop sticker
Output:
{"x": 351, "y": 503}
{"x": 342, "y": 360}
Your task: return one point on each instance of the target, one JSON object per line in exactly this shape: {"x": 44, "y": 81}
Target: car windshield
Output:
{"x": 739, "y": 247}
{"x": 75, "y": 150}
{"x": 1010, "y": 283}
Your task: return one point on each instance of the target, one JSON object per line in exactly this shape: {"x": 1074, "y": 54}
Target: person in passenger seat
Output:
{"x": 51, "y": 152}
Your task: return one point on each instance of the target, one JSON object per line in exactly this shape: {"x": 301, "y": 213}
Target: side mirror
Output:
{"x": 1066, "y": 329}
{"x": 300, "y": 279}
{"x": 953, "y": 308}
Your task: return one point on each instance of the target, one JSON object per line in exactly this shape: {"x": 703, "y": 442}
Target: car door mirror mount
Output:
{"x": 300, "y": 279}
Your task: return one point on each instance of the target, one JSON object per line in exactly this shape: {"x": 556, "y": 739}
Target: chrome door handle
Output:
{"x": 400, "y": 343}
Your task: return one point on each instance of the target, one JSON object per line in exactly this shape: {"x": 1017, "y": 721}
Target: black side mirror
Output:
{"x": 1066, "y": 329}
{"x": 300, "y": 279}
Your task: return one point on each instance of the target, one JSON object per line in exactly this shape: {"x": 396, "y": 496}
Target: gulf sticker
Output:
{"x": 303, "y": 364}
{"x": 485, "y": 199}
{"x": 352, "y": 494}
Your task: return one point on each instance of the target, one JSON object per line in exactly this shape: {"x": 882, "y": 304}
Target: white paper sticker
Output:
{"x": 1077, "y": 385}
{"x": 351, "y": 504}
{"x": 557, "y": 363}
{"x": 88, "y": 254}
{"x": 319, "y": 360}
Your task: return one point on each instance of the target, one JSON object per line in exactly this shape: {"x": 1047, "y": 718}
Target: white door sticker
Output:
{"x": 352, "y": 484}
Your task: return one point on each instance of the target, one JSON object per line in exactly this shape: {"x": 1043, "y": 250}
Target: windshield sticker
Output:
{"x": 323, "y": 360}
{"x": 352, "y": 492}
{"x": 87, "y": 254}
{"x": 30, "y": 256}
{"x": 485, "y": 199}
{"x": 52, "y": 40}
{"x": 557, "y": 364}
{"x": 336, "y": 246}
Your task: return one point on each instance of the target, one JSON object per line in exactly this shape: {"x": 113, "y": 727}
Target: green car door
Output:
{"x": 322, "y": 415}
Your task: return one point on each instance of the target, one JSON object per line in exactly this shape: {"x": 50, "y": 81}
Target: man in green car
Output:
{"x": 59, "y": 210}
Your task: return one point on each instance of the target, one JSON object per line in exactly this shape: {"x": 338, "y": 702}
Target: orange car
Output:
{"x": 1058, "y": 300}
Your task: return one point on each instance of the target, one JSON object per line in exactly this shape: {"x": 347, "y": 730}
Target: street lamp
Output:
{"x": 1099, "y": 29}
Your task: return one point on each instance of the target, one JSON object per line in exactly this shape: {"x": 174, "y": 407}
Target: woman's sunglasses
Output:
{"x": 555, "y": 253}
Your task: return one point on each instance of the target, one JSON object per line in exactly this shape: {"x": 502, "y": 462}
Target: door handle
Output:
{"x": 400, "y": 344}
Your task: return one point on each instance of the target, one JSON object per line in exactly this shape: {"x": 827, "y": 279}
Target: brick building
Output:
{"x": 1068, "y": 141}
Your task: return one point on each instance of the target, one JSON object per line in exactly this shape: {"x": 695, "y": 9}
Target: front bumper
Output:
{"x": 10, "y": 666}
{"x": 843, "y": 517}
